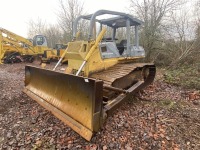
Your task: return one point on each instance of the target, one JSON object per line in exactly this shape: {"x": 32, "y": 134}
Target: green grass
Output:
{"x": 185, "y": 76}
{"x": 166, "y": 103}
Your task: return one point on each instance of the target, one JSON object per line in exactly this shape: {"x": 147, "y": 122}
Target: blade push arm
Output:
{"x": 99, "y": 38}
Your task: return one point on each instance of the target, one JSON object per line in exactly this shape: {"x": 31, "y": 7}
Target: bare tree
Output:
{"x": 68, "y": 11}
{"x": 52, "y": 32}
{"x": 54, "y": 35}
{"x": 182, "y": 30}
{"x": 61, "y": 33}
{"x": 153, "y": 13}
{"x": 36, "y": 27}
{"x": 197, "y": 15}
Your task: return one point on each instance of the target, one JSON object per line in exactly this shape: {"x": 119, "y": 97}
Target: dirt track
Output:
{"x": 161, "y": 116}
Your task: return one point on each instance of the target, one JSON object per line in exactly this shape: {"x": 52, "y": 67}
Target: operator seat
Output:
{"x": 122, "y": 46}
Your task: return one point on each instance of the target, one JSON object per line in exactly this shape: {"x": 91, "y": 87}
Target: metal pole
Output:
{"x": 128, "y": 37}
{"x": 113, "y": 33}
{"x": 79, "y": 70}
{"x": 63, "y": 55}
{"x": 57, "y": 64}
{"x": 136, "y": 37}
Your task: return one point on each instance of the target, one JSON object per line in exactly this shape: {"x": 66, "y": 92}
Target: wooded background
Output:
{"x": 170, "y": 34}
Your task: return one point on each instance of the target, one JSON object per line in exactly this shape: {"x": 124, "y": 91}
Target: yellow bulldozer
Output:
{"x": 101, "y": 74}
{"x": 55, "y": 53}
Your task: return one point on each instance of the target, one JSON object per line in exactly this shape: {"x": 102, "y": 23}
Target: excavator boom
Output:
{"x": 14, "y": 37}
{"x": 16, "y": 46}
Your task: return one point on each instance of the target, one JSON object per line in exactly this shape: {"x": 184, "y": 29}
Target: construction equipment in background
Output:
{"x": 100, "y": 76}
{"x": 58, "y": 53}
{"x": 54, "y": 54}
{"x": 15, "y": 48}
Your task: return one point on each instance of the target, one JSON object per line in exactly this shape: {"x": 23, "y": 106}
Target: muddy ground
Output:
{"x": 160, "y": 117}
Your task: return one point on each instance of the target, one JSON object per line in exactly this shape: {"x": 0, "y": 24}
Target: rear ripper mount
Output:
{"x": 98, "y": 78}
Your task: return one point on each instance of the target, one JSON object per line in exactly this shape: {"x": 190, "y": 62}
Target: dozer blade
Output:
{"x": 77, "y": 101}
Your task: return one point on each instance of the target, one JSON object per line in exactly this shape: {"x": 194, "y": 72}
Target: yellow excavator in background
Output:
{"x": 15, "y": 48}
{"x": 101, "y": 74}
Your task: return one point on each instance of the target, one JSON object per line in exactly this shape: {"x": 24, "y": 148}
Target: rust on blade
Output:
{"x": 77, "y": 101}
{"x": 83, "y": 103}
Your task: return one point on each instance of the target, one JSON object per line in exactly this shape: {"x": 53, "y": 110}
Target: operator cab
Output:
{"x": 39, "y": 40}
{"x": 113, "y": 46}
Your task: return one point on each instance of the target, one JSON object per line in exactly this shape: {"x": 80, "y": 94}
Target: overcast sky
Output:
{"x": 15, "y": 14}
